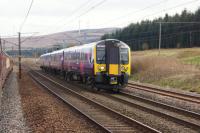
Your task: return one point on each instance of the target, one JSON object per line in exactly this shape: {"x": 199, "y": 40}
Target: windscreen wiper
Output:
{"x": 102, "y": 59}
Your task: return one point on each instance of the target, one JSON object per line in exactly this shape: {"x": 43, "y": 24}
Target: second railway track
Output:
{"x": 184, "y": 117}
{"x": 108, "y": 119}
{"x": 173, "y": 94}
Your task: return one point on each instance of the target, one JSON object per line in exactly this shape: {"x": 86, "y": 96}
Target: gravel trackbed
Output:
{"x": 11, "y": 114}
{"x": 45, "y": 113}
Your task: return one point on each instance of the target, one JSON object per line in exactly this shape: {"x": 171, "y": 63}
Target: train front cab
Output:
{"x": 112, "y": 64}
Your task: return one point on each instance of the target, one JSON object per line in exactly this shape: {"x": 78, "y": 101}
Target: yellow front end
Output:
{"x": 114, "y": 69}
{"x": 114, "y": 76}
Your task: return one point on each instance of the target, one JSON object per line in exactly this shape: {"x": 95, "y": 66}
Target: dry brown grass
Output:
{"x": 30, "y": 61}
{"x": 166, "y": 70}
{"x": 188, "y": 53}
{"x": 154, "y": 68}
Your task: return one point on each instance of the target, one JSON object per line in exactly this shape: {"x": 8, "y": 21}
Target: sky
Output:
{"x": 51, "y": 16}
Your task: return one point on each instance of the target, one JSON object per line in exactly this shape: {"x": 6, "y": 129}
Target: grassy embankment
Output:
{"x": 175, "y": 68}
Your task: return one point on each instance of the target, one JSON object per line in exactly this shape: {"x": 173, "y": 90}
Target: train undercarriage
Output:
{"x": 98, "y": 82}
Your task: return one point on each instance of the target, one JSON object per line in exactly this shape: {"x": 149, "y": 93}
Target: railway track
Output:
{"x": 106, "y": 118}
{"x": 183, "y": 117}
{"x": 181, "y": 96}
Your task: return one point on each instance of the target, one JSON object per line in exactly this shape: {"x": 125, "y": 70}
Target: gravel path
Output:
{"x": 11, "y": 114}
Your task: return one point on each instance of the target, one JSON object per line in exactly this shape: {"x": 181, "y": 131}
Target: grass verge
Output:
{"x": 177, "y": 68}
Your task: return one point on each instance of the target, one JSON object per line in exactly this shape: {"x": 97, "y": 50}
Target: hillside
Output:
{"x": 62, "y": 38}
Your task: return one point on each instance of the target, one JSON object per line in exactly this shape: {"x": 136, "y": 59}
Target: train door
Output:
{"x": 112, "y": 58}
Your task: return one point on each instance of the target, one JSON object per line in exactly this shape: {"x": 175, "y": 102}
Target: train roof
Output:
{"x": 45, "y": 54}
{"x": 114, "y": 40}
{"x": 57, "y": 51}
{"x": 83, "y": 46}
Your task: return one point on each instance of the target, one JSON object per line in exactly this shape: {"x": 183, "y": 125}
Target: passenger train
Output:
{"x": 103, "y": 65}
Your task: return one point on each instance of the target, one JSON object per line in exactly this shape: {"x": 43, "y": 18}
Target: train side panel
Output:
{"x": 6, "y": 65}
{"x": 79, "y": 60}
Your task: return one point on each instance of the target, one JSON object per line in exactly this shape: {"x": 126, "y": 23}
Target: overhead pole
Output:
{"x": 190, "y": 39}
{"x": 160, "y": 30}
{"x": 79, "y": 26}
{"x": 19, "y": 54}
{"x": 1, "y": 44}
{"x": 4, "y": 47}
{"x": 160, "y": 37}
{"x": 12, "y": 51}
{"x": 0, "y": 53}
{"x": 35, "y": 55}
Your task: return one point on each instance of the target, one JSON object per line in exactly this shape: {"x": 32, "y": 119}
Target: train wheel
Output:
{"x": 116, "y": 89}
{"x": 97, "y": 88}
{"x": 89, "y": 83}
{"x": 67, "y": 77}
{"x": 63, "y": 74}
{"x": 84, "y": 80}
{"x": 55, "y": 72}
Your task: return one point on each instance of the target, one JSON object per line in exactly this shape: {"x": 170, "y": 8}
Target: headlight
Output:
{"x": 123, "y": 68}
{"x": 101, "y": 68}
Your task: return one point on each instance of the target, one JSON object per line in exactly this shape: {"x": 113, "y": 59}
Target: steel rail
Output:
{"x": 163, "y": 105}
{"x": 181, "y": 96}
{"x": 171, "y": 108}
{"x": 68, "y": 103}
{"x": 159, "y": 105}
{"x": 126, "y": 119}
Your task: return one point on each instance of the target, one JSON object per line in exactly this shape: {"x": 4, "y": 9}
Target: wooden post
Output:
{"x": 1, "y": 45}
{"x": 160, "y": 31}
{"x": 19, "y": 56}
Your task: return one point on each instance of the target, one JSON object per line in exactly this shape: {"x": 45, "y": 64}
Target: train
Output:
{"x": 6, "y": 66}
{"x": 105, "y": 64}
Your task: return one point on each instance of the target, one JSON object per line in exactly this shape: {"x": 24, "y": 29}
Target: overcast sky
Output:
{"x": 50, "y": 16}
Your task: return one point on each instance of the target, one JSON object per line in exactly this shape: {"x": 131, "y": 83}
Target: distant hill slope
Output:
{"x": 62, "y": 38}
